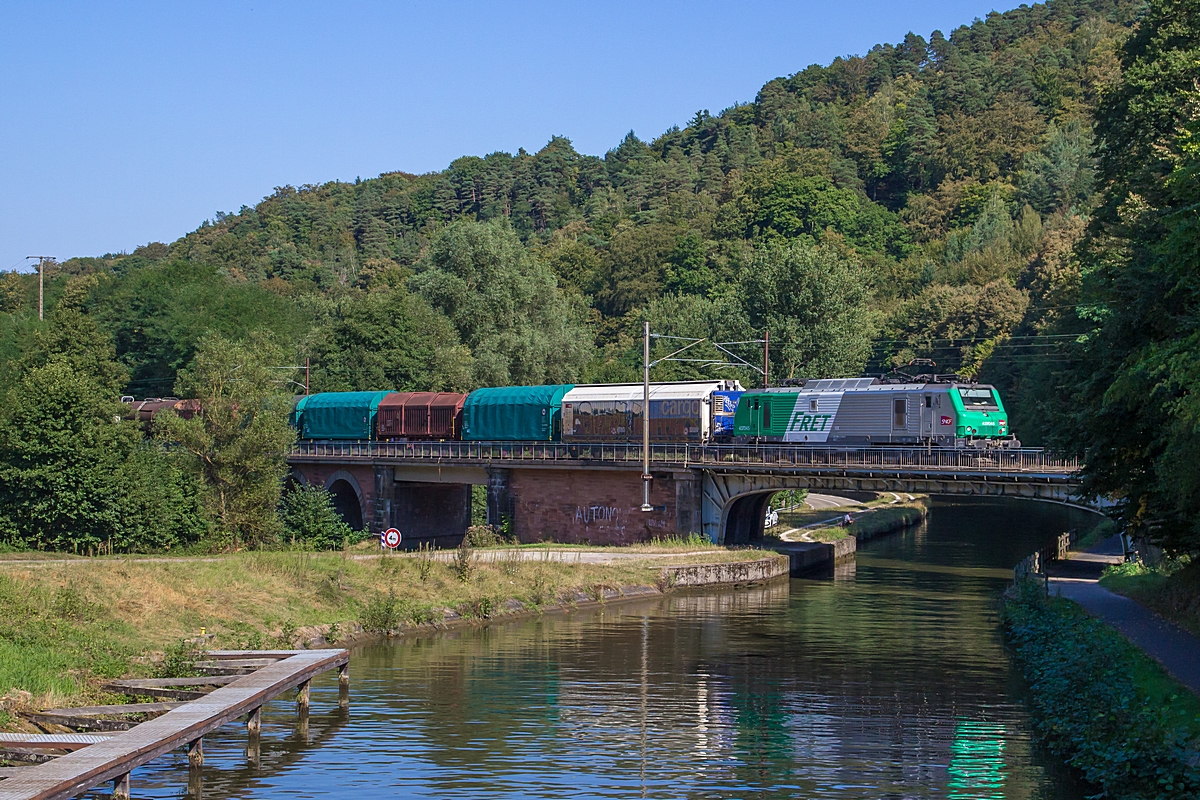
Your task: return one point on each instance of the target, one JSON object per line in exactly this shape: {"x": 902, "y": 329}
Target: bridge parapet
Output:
{"x": 735, "y": 458}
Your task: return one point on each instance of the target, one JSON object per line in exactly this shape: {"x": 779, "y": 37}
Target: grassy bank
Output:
{"x": 879, "y": 516}
{"x": 66, "y": 625}
{"x": 1171, "y": 589}
{"x": 1101, "y": 704}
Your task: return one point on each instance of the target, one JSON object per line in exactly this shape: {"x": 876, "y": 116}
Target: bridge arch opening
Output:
{"x": 746, "y": 518}
{"x": 346, "y": 503}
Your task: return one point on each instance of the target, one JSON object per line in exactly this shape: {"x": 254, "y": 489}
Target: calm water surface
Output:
{"x": 887, "y": 679}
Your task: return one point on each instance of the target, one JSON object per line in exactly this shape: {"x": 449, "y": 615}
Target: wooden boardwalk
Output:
{"x": 113, "y": 756}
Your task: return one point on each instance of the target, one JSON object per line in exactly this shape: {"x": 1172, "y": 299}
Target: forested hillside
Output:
{"x": 920, "y": 200}
{"x": 927, "y": 199}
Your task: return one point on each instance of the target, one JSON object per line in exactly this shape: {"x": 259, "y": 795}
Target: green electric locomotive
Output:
{"x": 861, "y": 412}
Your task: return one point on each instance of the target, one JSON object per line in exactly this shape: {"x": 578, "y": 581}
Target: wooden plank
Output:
{"x": 75, "y": 773}
{"x": 118, "y": 687}
{"x": 275, "y": 654}
{"x": 217, "y": 669}
{"x": 150, "y": 683}
{"x": 50, "y": 741}
{"x": 81, "y": 723}
{"x": 84, "y": 716}
{"x": 100, "y": 711}
{"x": 227, "y": 663}
{"x": 8, "y": 772}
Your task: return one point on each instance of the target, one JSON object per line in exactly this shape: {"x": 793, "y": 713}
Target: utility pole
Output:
{"x": 646, "y": 421}
{"x": 766, "y": 359}
{"x": 41, "y": 280}
{"x": 307, "y": 366}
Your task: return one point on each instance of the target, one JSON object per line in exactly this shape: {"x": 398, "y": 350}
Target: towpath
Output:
{"x": 1078, "y": 579}
{"x": 564, "y": 555}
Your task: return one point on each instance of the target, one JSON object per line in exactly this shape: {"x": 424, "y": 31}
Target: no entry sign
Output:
{"x": 390, "y": 538}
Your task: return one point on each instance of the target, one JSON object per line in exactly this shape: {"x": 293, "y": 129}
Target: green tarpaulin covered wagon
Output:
{"x": 514, "y": 413}
{"x": 337, "y": 415}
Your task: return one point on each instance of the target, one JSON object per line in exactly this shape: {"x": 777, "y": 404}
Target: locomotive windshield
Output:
{"x": 978, "y": 399}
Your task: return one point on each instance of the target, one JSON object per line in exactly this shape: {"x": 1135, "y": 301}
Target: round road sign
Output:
{"x": 391, "y": 538}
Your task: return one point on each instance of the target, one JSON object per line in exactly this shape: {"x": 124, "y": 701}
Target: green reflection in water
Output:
{"x": 977, "y": 761}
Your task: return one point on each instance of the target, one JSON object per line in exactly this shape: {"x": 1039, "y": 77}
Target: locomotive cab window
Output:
{"x": 900, "y": 413}
{"x": 766, "y": 414}
{"x": 929, "y": 401}
{"x": 812, "y": 404}
{"x": 978, "y": 399}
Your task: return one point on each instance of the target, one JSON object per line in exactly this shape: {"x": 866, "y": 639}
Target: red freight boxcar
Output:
{"x": 144, "y": 410}
{"x": 420, "y": 415}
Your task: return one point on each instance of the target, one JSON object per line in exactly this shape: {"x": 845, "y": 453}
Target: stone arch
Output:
{"x": 347, "y": 497}
{"x": 734, "y": 506}
{"x": 295, "y": 479}
{"x": 745, "y": 519}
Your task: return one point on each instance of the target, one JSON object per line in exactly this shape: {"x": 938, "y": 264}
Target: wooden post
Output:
{"x": 195, "y": 787}
{"x": 254, "y": 750}
{"x": 302, "y": 697}
{"x": 254, "y": 722}
{"x": 121, "y": 787}
{"x": 196, "y": 753}
{"x": 344, "y": 685}
{"x": 302, "y": 727}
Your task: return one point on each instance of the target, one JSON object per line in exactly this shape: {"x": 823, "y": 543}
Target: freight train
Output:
{"x": 852, "y": 412}
{"x": 682, "y": 411}
{"x": 857, "y": 412}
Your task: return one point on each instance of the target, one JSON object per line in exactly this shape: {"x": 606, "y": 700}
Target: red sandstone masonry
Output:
{"x": 602, "y": 508}
{"x": 319, "y": 474}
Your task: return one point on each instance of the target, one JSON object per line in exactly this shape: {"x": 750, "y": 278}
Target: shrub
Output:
{"x": 179, "y": 661}
{"x": 488, "y": 536}
{"x": 383, "y": 614}
{"x": 464, "y": 561}
{"x": 1087, "y": 706}
{"x": 308, "y": 516}
{"x": 424, "y": 562}
{"x": 511, "y": 564}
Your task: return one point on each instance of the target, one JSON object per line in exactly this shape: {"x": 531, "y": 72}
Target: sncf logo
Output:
{"x": 947, "y": 421}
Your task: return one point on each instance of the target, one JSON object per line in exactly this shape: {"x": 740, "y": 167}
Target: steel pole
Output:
{"x": 766, "y": 359}
{"x": 646, "y": 420}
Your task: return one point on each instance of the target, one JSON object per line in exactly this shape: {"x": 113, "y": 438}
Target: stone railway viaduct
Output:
{"x": 593, "y": 493}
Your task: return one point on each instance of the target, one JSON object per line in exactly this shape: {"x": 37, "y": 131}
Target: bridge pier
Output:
{"x": 499, "y": 498}
{"x": 600, "y": 507}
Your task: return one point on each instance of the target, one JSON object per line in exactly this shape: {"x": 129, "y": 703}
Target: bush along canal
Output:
{"x": 1100, "y": 703}
{"x": 888, "y": 679}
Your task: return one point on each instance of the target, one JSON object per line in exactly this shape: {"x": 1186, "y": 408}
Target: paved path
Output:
{"x": 1076, "y": 579}
{"x": 524, "y": 554}
{"x": 819, "y": 501}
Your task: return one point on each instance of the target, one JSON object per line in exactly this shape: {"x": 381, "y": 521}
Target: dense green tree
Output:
{"x": 1132, "y": 383}
{"x": 814, "y": 300}
{"x": 158, "y": 314}
{"x": 236, "y": 444}
{"x": 73, "y": 474}
{"x": 12, "y": 293}
{"x": 956, "y": 326}
{"x": 680, "y": 317}
{"x": 388, "y": 339}
{"x": 505, "y": 305}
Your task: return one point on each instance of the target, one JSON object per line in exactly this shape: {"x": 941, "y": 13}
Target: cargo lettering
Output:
{"x": 810, "y": 422}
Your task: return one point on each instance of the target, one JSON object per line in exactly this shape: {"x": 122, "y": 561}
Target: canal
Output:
{"x": 886, "y": 679}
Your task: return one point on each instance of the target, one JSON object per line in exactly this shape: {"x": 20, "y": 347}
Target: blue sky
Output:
{"x": 123, "y": 123}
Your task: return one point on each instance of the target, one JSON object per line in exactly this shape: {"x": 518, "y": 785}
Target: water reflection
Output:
{"x": 887, "y": 680}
